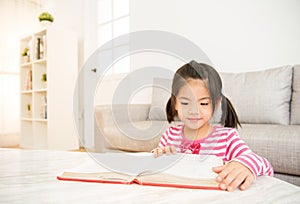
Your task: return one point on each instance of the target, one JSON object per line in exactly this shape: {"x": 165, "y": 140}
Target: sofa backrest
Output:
{"x": 295, "y": 103}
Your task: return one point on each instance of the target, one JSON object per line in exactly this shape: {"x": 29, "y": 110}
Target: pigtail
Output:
{"x": 229, "y": 116}
{"x": 170, "y": 111}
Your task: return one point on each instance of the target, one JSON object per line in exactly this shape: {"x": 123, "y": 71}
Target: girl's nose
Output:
{"x": 194, "y": 109}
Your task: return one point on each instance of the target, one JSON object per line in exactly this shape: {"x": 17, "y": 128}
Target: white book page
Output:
{"x": 184, "y": 165}
{"x": 195, "y": 166}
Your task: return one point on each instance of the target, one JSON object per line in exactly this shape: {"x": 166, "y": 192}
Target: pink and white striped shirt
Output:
{"x": 223, "y": 142}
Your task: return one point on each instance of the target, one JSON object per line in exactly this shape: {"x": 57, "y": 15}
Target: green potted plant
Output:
{"x": 45, "y": 16}
{"x": 44, "y": 79}
{"x": 25, "y": 54}
{"x": 45, "y": 19}
{"x": 28, "y": 105}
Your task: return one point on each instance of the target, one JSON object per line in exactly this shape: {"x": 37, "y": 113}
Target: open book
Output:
{"x": 180, "y": 170}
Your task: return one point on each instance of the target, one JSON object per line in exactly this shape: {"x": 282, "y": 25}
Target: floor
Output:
{"x": 81, "y": 149}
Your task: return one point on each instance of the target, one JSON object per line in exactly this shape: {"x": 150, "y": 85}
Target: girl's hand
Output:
{"x": 232, "y": 175}
{"x": 159, "y": 151}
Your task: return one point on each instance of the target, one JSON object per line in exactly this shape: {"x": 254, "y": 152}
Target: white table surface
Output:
{"x": 29, "y": 176}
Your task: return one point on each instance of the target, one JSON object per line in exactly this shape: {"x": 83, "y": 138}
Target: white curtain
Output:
{"x": 9, "y": 109}
{"x": 17, "y": 19}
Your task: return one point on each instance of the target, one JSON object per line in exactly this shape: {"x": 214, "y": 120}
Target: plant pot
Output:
{"x": 45, "y": 23}
{"x": 28, "y": 113}
{"x": 26, "y": 59}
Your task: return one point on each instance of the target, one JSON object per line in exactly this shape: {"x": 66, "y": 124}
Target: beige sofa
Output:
{"x": 267, "y": 102}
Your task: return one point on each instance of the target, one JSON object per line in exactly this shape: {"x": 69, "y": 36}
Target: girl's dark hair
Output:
{"x": 212, "y": 79}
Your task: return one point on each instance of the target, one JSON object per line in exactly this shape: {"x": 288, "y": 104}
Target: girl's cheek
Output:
{"x": 181, "y": 114}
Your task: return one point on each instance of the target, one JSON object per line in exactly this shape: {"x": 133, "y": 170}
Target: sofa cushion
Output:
{"x": 295, "y": 105}
{"x": 278, "y": 143}
{"x": 142, "y": 136}
{"x": 260, "y": 96}
{"x": 160, "y": 96}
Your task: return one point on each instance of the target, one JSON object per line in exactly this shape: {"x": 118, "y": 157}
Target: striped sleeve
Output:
{"x": 172, "y": 137}
{"x": 164, "y": 138}
{"x": 237, "y": 150}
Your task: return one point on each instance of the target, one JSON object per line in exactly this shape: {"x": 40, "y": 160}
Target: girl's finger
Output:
{"x": 233, "y": 179}
{"x": 173, "y": 150}
{"x": 238, "y": 179}
{"x": 160, "y": 151}
{"x": 218, "y": 169}
{"x": 247, "y": 183}
{"x": 167, "y": 150}
{"x": 154, "y": 151}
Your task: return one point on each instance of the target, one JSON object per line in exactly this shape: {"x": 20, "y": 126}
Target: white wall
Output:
{"x": 69, "y": 14}
{"x": 236, "y": 35}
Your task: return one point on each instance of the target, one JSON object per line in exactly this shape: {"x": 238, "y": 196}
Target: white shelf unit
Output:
{"x": 49, "y": 123}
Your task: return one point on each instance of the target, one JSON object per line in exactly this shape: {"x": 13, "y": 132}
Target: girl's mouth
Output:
{"x": 194, "y": 119}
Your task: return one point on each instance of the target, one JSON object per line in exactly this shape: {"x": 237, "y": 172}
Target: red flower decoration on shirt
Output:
{"x": 190, "y": 148}
{"x": 195, "y": 148}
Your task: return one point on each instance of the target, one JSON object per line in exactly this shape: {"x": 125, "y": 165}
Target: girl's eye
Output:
{"x": 184, "y": 103}
{"x": 204, "y": 104}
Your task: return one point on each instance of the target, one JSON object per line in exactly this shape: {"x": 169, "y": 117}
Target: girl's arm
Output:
{"x": 238, "y": 150}
{"x": 242, "y": 166}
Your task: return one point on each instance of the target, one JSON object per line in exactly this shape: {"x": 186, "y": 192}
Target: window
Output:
{"x": 113, "y": 21}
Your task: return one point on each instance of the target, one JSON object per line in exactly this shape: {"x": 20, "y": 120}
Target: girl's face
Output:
{"x": 194, "y": 105}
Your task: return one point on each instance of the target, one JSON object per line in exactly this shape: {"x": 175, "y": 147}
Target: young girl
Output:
{"x": 196, "y": 94}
